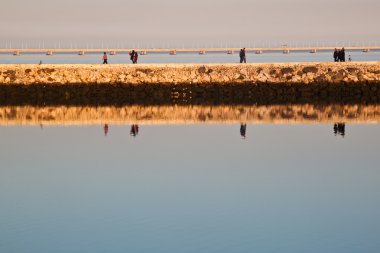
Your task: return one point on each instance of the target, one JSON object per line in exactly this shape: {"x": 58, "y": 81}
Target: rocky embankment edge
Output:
{"x": 276, "y": 73}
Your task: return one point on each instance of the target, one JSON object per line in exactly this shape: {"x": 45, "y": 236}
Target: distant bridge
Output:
{"x": 82, "y": 51}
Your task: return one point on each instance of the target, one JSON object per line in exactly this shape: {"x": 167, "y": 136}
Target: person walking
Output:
{"x": 336, "y": 55}
{"x": 132, "y": 55}
{"x": 343, "y": 55}
{"x": 135, "y": 57}
{"x": 105, "y": 60}
{"x": 242, "y": 56}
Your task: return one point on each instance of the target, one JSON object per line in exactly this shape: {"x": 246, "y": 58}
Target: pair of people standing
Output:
{"x": 242, "y": 56}
{"x": 340, "y": 55}
{"x": 134, "y": 56}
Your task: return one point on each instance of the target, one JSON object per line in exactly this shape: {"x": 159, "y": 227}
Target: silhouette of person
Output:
{"x": 336, "y": 55}
{"x": 134, "y": 130}
{"x": 242, "y": 56}
{"x": 340, "y": 128}
{"x": 132, "y": 56}
{"x": 243, "y": 130}
{"x": 135, "y": 57}
{"x": 349, "y": 58}
{"x": 342, "y": 55}
{"x": 105, "y": 61}
{"x": 105, "y": 129}
{"x": 137, "y": 129}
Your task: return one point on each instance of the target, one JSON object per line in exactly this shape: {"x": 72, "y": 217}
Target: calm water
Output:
{"x": 190, "y": 188}
{"x": 94, "y": 58}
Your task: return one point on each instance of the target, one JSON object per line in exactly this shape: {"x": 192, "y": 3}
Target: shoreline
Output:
{"x": 190, "y": 74}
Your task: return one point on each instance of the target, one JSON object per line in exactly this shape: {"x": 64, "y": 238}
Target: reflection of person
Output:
{"x": 105, "y": 128}
{"x": 335, "y": 128}
{"x": 340, "y": 128}
{"x": 134, "y": 130}
{"x": 243, "y": 129}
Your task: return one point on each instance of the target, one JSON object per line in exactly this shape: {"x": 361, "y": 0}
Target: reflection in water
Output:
{"x": 243, "y": 129}
{"x": 252, "y": 195}
{"x": 192, "y": 114}
{"x": 340, "y": 128}
{"x": 182, "y": 189}
{"x": 134, "y": 130}
{"x": 184, "y": 94}
{"x": 105, "y": 129}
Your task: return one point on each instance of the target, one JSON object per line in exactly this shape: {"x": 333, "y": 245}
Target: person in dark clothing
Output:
{"x": 343, "y": 55}
{"x": 339, "y": 55}
{"x": 135, "y": 57}
{"x": 336, "y": 55}
{"x": 132, "y": 55}
{"x": 105, "y": 61}
{"x": 242, "y": 56}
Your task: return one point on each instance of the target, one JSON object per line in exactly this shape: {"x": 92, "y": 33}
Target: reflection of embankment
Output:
{"x": 201, "y": 94}
{"x": 51, "y": 115}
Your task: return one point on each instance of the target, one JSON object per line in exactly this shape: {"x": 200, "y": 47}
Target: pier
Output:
{"x": 173, "y": 51}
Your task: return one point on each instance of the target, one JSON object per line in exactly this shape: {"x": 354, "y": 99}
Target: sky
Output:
{"x": 161, "y": 22}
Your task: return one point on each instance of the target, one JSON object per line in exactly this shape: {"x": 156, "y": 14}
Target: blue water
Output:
{"x": 190, "y": 188}
{"x": 94, "y": 58}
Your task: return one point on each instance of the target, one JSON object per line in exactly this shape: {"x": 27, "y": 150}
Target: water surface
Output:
{"x": 190, "y": 188}
{"x": 209, "y": 57}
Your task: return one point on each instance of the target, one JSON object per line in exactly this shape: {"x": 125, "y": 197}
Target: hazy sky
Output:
{"x": 155, "y": 21}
